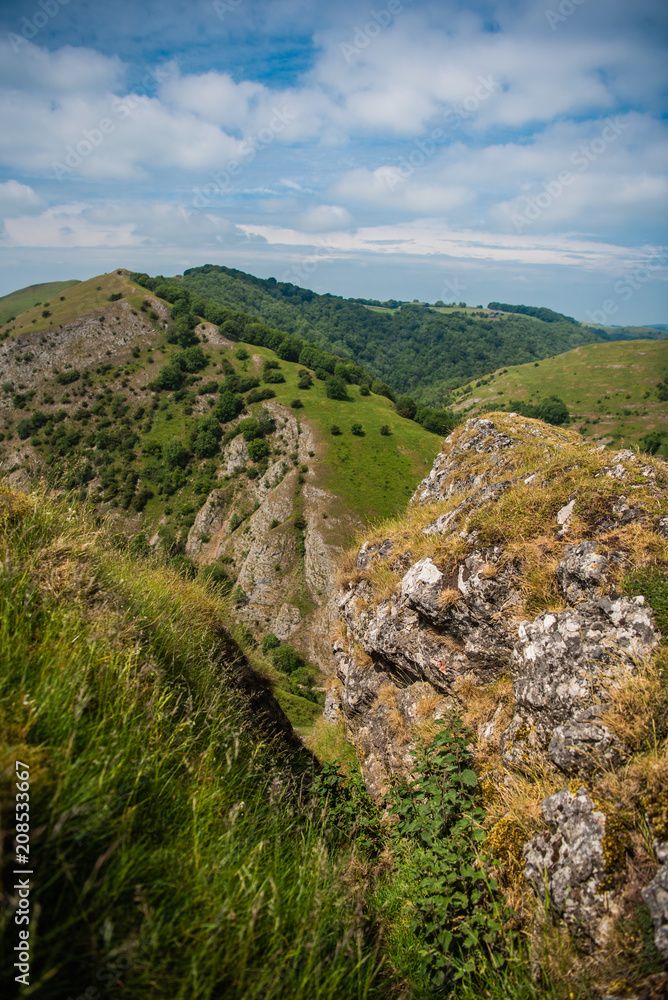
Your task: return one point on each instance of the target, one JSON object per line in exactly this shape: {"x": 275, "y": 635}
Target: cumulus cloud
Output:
{"x": 17, "y": 198}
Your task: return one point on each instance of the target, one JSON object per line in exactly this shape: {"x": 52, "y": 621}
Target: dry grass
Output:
{"x": 448, "y": 597}
{"x": 638, "y": 712}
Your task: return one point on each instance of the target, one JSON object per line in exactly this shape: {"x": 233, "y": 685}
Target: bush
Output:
{"x": 275, "y": 377}
{"x": 385, "y": 430}
{"x": 335, "y": 388}
{"x": 300, "y": 522}
{"x": 287, "y": 659}
{"x": 115, "y": 297}
{"x": 174, "y": 455}
{"x": 66, "y": 378}
{"x": 228, "y": 407}
{"x": 335, "y": 430}
{"x": 258, "y": 449}
{"x": 382, "y": 389}
{"x": 357, "y": 430}
{"x": 364, "y": 389}
{"x": 296, "y": 404}
{"x": 257, "y": 395}
{"x": 241, "y": 353}
{"x": 269, "y": 641}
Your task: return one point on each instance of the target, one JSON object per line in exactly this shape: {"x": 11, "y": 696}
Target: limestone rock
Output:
{"x": 581, "y": 570}
{"x": 569, "y": 863}
{"x": 563, "y": 667}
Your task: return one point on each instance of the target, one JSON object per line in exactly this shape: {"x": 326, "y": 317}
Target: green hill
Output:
{"x": 610, "y": 390}
{"x": 417, "y": 349}
{"x": 34, "y": 295}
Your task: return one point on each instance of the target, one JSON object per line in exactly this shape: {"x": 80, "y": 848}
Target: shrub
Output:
{"x": 287, "y": 659}
{"x": 357, "y": 430}
{"x": 382, "y": 389}
{"x": 385, "y": 430}
{"x": 257, "y": 395}
{"x": 335, "y": 388}
{"x": 300, "y": 522}
{"x": 296, "y": 404}
{"x": 228, "y": 407}
{"x": 269, "y": 641}
{"x": 364, "y": 389}
{"x": 258, "y": 449}
{"x": 66, "y": 378}
{"x": 241, "y": 353}
{"x": 335, "y": 430}
{"x": 275, "y": 377}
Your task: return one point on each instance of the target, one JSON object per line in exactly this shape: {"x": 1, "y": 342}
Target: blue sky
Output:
{"x": 511, "y": 151}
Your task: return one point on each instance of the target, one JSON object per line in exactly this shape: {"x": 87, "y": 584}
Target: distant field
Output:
{"x": 610, "y": 389}
{"x": 25, "y": 298}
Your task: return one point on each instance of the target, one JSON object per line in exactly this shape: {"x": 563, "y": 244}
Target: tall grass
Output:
{"x": 175, "y": 849}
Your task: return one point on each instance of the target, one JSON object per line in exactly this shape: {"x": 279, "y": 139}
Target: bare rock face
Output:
{"x": 569, "y": 864}
{"x": 655, "y": 896}
{"x": 562, "y": 669}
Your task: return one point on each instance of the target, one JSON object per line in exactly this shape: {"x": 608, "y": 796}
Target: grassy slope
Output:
{"x": 605, "y": 387}
{"x": 79, "y": 299}
{"x": 163, "y": 866}
{"x": 25, "y": 298}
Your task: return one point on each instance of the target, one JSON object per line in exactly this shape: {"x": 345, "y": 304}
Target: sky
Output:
{"x": 509, "y": 151}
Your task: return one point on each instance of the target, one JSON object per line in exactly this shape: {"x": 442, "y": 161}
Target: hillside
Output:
{"x": 416, "y": 349}
{"x": 34, "y": 295}
{"x": 177, "y": 844}
{"x": 228, "y": 465}
{"x": 610, "y": 390}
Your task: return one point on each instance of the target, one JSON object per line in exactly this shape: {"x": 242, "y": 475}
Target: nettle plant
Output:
{"x": 457, "y": 911}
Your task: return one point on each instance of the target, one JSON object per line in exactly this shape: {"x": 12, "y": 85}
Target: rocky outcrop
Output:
{"x": 563, "y": 668}
{"x": 507, "y": 571}
{"x": 285, "y": 573}
{"x": 567, "y": 866}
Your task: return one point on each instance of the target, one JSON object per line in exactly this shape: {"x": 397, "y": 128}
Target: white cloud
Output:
{"x": 325, "y": 218}
{"x": 18, "y": 198}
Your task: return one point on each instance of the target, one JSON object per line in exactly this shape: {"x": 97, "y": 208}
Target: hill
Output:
{"x": 220, "y": 454}
{"x": 610, "y": 390}
{"x": 417, "y": 349}
{"x": 34, "y": 295}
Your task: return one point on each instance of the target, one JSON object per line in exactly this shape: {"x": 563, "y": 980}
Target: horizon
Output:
{"x": 407, "y": 149}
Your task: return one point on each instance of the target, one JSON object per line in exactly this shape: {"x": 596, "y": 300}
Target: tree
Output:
{"x": 357, "y": 430}
{"x": 258, "y": 449}
{"x": 385, "y": 430}
{"x": 228, "y": 407}
{"x": 335, "y": 430}
{"x": 335, "y": 388}
{"x": 174, "y": 454}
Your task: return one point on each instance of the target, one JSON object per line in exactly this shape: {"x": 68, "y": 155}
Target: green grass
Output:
{"x": 372, "y": 476}
{"x": 26, "y": 298}
{"x": 174, "y": 855}
{"x": 603, "y": 385}
{"x": 80, "y": 298}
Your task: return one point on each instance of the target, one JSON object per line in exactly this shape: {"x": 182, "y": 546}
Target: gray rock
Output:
{"x": 332, "y": 709}
{"x": 567, "y": 865}
{"x": 563, "y": 668}
{"x": 581, "y": 570}
{"x": 655, "y": 896}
